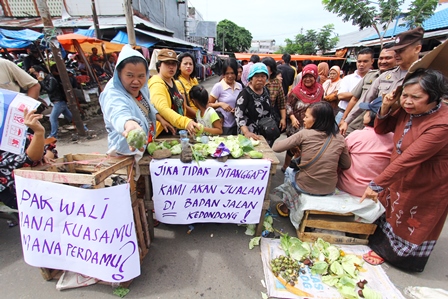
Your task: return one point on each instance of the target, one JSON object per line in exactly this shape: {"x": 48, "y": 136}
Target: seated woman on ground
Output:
{"x": 205, "y": 116}
{"x": 165, "y": 96}
{"x": 320, "y": 177}
{"x": 370, "y": 153}
{"x": 36, "y": 151}
{"x": 125, "y": 103}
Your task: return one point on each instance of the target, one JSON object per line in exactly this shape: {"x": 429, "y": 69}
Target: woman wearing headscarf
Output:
{"x": 323, "y": 70}
{"x": 305, "y": 93}
{"x": 331, "y": 88}
{"x": 125, "y": 103}
{"x": 254, "y": 104}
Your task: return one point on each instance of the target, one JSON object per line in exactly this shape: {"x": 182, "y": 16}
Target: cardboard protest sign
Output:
{"x": 88, "y": 231}
{"x": 230, "y": 192}
{"x": 12, "y": 129}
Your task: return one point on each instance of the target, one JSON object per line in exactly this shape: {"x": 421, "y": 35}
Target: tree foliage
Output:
{"x": 419, "y": 11}
{"x": 379, "y": 14}
{"x": 312, "y": 41}
{"x": 232, "y": 37}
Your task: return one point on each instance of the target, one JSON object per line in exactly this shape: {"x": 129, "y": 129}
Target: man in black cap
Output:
{"x": 407, "y": 48}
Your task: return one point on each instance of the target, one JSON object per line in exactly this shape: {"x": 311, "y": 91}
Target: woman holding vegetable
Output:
{"x": 125, "y": 103}
{"x": 320, "y": 134}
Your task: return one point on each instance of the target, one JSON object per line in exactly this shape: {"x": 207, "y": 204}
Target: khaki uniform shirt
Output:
{"x": 386, "y": 83}
{"x": 13, "y": 77}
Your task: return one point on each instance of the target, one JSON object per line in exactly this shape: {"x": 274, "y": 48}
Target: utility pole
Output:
{"x": 49, "y": 32}
{"x": 129, "y": 13}
{"x": 223, "y": 35}
{"x": 95, "y": 21}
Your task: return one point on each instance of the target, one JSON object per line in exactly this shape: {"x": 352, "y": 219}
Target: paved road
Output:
{"x": 214, "y": 261}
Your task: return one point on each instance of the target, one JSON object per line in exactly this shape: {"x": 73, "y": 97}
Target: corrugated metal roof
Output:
{"x": 104, "y": 22}
{"x": 438, "y": 20}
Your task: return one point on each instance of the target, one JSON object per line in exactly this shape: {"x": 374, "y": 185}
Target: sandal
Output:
{"x": 373, "y": 258}
{"x": 279, "y": 210}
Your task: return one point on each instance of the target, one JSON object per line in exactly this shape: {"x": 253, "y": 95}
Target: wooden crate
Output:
{"x": 358, "y": 232}
{"x": 95, "y": 170}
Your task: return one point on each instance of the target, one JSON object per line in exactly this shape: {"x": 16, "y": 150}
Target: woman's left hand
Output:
{"x": 282, "y": 124}
{"x": 369, "y": 193}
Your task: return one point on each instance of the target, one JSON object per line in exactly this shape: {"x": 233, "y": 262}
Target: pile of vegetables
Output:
{"x": 338, "y": 269}
{"x": 237, "y": 145}
{"x": 174, "y": 146}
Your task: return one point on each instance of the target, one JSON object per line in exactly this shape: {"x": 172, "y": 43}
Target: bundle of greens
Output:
{"x": 338, "y": 269}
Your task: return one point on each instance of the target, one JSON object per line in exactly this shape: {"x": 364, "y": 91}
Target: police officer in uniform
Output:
{"x": 407, "y": 48}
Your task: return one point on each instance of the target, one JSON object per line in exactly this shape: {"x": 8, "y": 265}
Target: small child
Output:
{"x": 206, "y": 116}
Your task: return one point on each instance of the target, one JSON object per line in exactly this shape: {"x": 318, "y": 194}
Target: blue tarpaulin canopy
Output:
{"x": 86, "y": 32}
{"x": 16, "y": 39}
{"x": 144, "y": 41}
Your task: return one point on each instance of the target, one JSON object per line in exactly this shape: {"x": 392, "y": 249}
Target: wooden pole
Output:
{"x": 129, "y": 13}
{"x": 68, "y": 89}
{"x": 95, "y": 21}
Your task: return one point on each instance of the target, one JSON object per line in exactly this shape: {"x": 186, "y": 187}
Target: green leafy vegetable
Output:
{"x": 336, "y": 268}
{"x": 348, "y": 292}
{"x": 371, "y": 294}
{"x": 255, "y": 155}
{"x": 319, "y": 267}
{"x": 285, "y": 243}
{"x": 136, "y": 138}
{"x": 152, "y": 147}
{"x": 120, "y": 292}
{"x": 330, "y": 280}
{"x": 250, "y": 229}
{"x": 254, "y": 242}
{"x": 176, "y": 149}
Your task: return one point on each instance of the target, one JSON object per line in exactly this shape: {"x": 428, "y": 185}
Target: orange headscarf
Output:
{"x": 323, "y": 70}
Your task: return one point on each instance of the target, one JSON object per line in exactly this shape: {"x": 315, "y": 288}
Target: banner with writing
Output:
{"x": 230, "y": 192}
{"x": 88, "y": 231}
{"x": 12, "y": 128}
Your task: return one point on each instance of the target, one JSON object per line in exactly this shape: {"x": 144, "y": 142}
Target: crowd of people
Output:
{"x": 376, "y": 134}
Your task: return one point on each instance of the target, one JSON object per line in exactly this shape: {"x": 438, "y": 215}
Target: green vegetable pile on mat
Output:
{"x": 337, "y": 268}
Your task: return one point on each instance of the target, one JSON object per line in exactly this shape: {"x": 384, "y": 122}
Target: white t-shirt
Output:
{"x": 347, "y": 84}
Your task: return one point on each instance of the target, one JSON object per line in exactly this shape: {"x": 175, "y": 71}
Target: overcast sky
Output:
{"x": 279, "y": 19}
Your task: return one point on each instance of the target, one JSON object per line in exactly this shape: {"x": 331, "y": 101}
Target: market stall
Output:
{"x": 214, "y": 182}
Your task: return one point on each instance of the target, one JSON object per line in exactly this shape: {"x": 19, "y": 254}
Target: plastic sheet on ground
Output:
{"x": 312, "y": 284}
{"x": 340, "y": 202}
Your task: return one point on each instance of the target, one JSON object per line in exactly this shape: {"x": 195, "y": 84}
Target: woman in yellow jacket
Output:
{"x": 166, "y": 97}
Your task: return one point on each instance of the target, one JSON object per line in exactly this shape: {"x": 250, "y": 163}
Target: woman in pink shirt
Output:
{"x": 370, "y": 153}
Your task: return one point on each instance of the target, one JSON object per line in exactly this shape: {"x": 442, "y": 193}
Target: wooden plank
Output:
{"x": 139, "y": 229}
{"x": 314, "y": 212}
{"x": 347, "y": 227}
{"x": 70, "y": 166}
{"x": 56, "y": 177}
{"x": 333, "y": 239}
{"x": 103, "y": 174}
{"x": 141, "y": 206}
